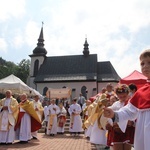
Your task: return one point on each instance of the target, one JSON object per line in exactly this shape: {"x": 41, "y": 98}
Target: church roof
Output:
{"x": 68, "y": 68}
{"x": 76, "y": 68}
{"x": 106, "y": 72}
{"x": 73, "y": 67}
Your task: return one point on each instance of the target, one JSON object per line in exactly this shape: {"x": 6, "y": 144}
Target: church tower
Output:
{"x": 37, "y": 58}
{"x": 86, "y": 48}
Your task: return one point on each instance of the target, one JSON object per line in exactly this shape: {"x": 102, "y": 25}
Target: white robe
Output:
{"x": 23, "y": 133}
{"x": 50, "y": 111}
{"x": 46, "y": 113}
{"x": 6, "y": 136}
{"x": 115, "y": 107}
{"x": 63, "y": 113}
{"x": 77, "y": 123}
{"x": 98, "y": 136}
{"x": 142, "y": 127}
{"x": 37, "y": 105}
{"x": 88, "y": 131}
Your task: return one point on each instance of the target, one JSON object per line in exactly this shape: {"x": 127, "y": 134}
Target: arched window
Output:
{"x": 45, "y": 90}
{"x": 84, "y": 91}
{"x": 36, "y": 67}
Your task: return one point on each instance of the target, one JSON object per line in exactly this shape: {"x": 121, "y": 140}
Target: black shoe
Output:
{"x": 107, "y": 147}
{"x": 51, "y": 134}
{"x": 9, "y": 143}
{"x": 2, "y": 143}
{"x": 23, "y": 142}
{"x": 45, "y": 131}
{"x": 35, "y": 138}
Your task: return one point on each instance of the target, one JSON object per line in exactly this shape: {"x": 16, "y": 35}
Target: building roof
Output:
{"x": 73, "y": 67}
{"x": 68, "y": 68}
{"x": 106, "y": 72}
{"x": 76, "y": 68}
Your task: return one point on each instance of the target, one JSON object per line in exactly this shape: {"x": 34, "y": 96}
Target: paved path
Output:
{"x": 58, "y": 142}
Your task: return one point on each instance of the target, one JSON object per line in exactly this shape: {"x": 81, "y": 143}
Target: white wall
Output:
{"x": 103, "y": 84}
{"x": 33, "y": 59}
{"x": 71, "y": 85}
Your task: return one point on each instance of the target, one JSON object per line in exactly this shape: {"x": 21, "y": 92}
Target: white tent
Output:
{"x": 16, "y": 85}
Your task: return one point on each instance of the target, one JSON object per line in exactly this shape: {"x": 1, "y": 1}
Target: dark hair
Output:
{"x": 132, "y": 87}
{"x": 75, "y": 99}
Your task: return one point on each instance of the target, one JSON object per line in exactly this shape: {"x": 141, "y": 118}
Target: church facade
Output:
{"x": 80, "y": 73}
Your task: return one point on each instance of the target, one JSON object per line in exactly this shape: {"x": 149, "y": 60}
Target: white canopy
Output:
{"x": 16, "y": 85}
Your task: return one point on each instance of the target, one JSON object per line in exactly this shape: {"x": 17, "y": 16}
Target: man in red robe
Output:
{"x": 28, "y": 120}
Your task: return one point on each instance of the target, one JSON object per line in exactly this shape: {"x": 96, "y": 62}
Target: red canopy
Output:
{"x": 136, "y": 78}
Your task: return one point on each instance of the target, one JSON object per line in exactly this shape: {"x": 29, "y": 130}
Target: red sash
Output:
{"x": 62, "y": 120}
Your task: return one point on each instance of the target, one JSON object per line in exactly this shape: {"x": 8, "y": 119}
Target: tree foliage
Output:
{"x": 20, "y": 70}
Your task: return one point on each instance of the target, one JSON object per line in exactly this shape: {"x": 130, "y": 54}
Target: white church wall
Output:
{"x": 41, "y": 59}
{"x": 72, "y": 85}
{"x": 104, "y": 84}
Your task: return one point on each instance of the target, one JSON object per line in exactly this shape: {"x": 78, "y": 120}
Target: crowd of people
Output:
{"x": 19, "y": 121}
{"x": 118, "y": 118}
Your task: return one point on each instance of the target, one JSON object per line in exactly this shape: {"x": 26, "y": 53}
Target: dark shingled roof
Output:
{"x": 68, "y": 68}
{"x": 106, "y": 72}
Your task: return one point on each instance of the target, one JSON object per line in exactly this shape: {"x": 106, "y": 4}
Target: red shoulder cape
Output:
{"x": 141, "y": 98}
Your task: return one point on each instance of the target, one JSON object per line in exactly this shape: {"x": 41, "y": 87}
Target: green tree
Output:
{"x": 20, "y": 70}
{"x": 6, "y": 68}
{"x": 23, "y": 69}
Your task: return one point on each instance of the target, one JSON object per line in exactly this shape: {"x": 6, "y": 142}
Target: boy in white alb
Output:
{"x": 137, "y": 108}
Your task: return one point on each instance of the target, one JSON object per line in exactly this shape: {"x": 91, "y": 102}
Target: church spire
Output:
{"x": 86, "y": 49}
{"x": 40, "y": 50}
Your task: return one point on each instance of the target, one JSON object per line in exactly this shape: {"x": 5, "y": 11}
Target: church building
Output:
{"x": 81, "y": 73}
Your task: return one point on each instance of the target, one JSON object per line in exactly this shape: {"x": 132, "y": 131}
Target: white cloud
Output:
{"x": 3, "y": 45}
{"x": 18, "y": 42}
{"x": 31, "y": 33}
{"x": 111, "y": 28}
{"x": 14, "y": 8}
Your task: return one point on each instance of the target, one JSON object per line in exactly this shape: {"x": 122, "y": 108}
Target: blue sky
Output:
{"x": 116, "y": 30}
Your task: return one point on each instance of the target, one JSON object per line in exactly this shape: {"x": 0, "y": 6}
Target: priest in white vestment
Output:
{"x": 75, "y": 118}
{"x": 88, "y": 123}
{"x": 28, "y": 120}
{"x": 46, "y": 113}
{"x": 8, "y": 115}
{"x": 39, "y": 110}
{"x": 53, "y": 111}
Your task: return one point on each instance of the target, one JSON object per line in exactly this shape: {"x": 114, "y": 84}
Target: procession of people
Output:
{"x": 115, "y": 119}
{"x": 26, "y": 117}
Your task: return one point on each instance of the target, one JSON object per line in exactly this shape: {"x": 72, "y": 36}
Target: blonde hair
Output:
{"x": 145, "y": 53}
